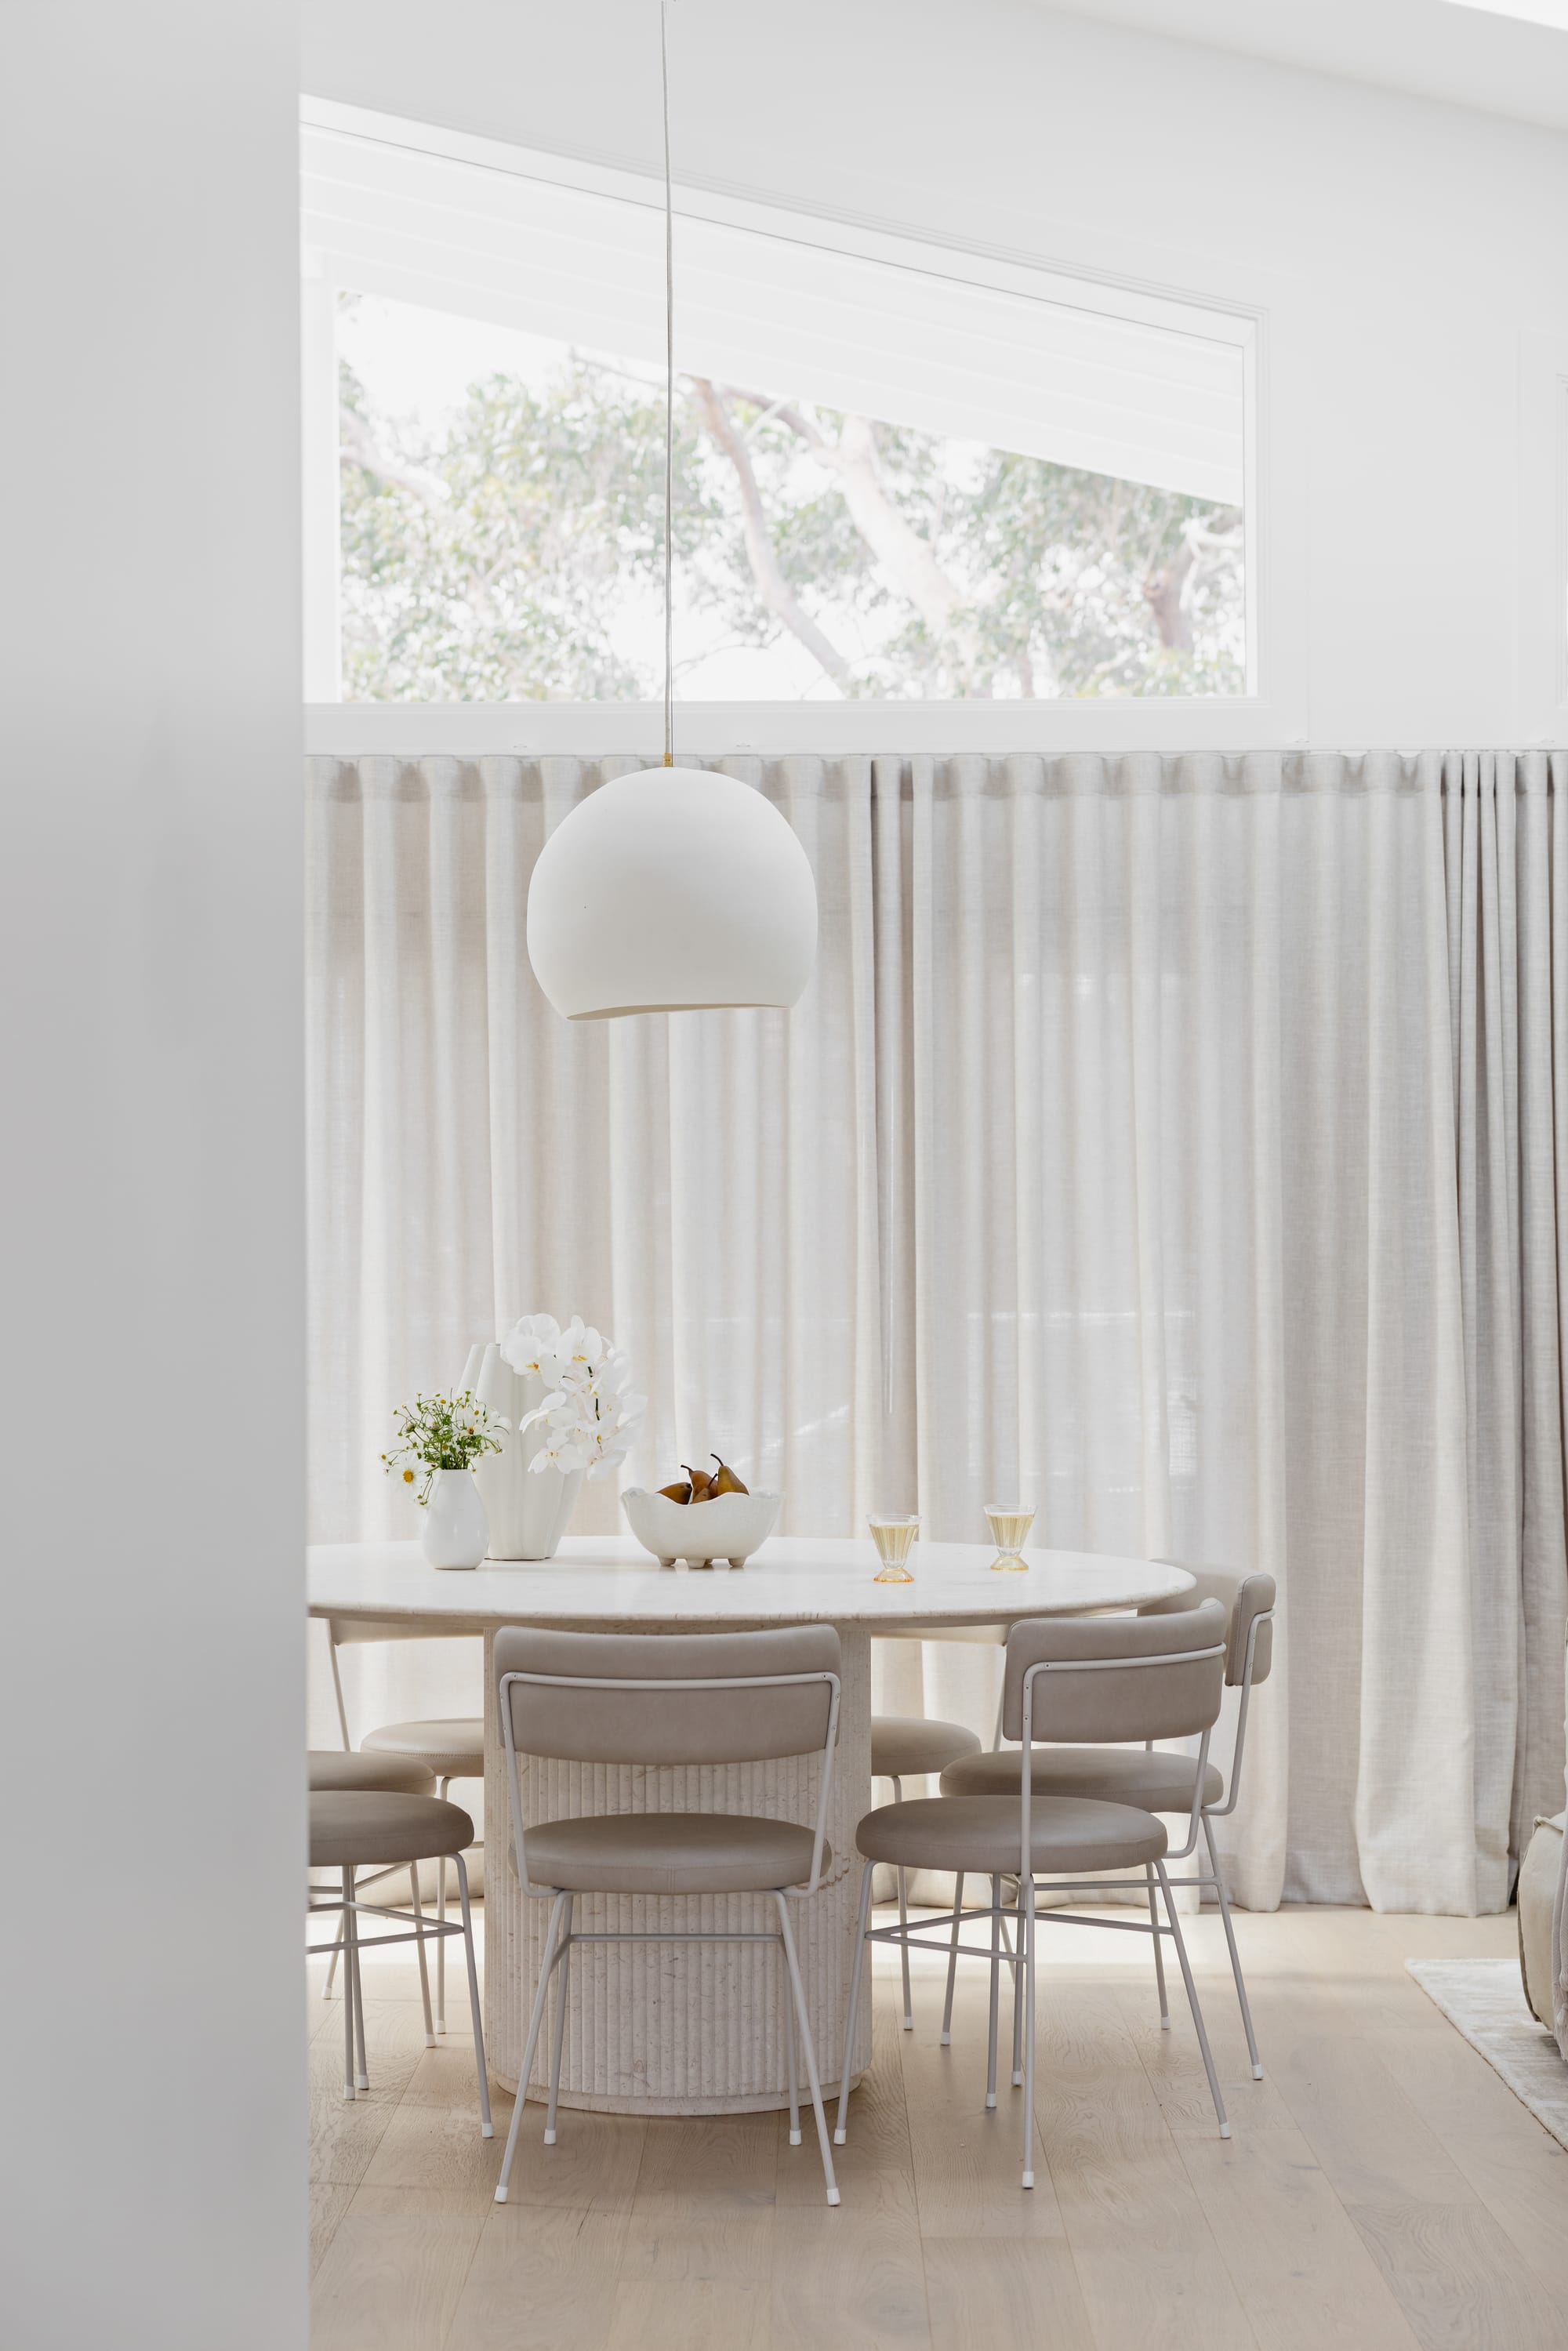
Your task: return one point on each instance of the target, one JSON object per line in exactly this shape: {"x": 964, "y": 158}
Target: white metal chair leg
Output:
{"x": 809, "y": 2047}
{"x": 348, "y": 1992}
{"x": 792, "y": 2069}
{"x": 540, "y": 1995}
{"x": 1177, "y": 1938}
{"x": 1026, "y": 1891}
{"x": 854, "y": 2002}
{"x": 995, "y": 1990}
{"x": 351, "y": 1967}
{"x": 441, "y": 1788}
{"x": 332, "y": 1962}
{"x": 952, "y": 1959}
{"x": 1017, "y": 2002}
{"x": 1224, "y": 1897}
{"x": 563, "y": 1980}
{"x": 904, "y": 1919}
{"x": 419, "y": 1947}
{"x": 486, "y": 2128}
{"x": 1159, "y": 1955}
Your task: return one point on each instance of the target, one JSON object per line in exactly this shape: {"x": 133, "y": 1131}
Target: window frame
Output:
{"x": 1270, "y": 710}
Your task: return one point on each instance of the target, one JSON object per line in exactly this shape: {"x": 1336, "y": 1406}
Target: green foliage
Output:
{"x": 439, "y": 1432}
{"x": 497, "y": 559}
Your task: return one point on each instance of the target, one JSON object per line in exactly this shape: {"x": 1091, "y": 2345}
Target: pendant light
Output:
{"x": 674, "y": 890}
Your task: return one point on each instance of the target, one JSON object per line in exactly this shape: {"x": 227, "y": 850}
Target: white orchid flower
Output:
{"x": 580, "y": 1343}
{"x": 589, "y": 1412}
{"x": 531, "y": 1337}
{"x": 558, "y": 1411}
{"x": 564, "y": 1456}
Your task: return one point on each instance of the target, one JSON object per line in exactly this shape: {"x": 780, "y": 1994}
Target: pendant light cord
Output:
{"x": 669, "y": 398}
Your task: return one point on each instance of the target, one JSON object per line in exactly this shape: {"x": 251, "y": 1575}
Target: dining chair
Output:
{"x": 1093, "y": 1679}
{"x": 913, "y": 1747}
{"x": 448, "y": 1747}
{"x": 1161, "y": 1782}
{"x": 332, "y": 1772}
{"x": 669, "y": 1699}
{"x": 355, "y": 1828}
{"x": 888, "y": 1742}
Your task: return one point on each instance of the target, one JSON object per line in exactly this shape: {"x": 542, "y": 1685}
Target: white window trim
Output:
{"x": 1541, "y": 634}
{"x": 1273, "y": 711}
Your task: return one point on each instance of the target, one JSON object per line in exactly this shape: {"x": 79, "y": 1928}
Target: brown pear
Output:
{"x": 701, "y": 1484}
{"x": 727, "y": 1482}
{"x": 676, "y": 1493}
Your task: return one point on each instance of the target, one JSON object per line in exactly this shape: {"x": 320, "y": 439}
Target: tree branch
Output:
{"x": 1162, "y": 593}
{"x": 358, "y": 449}
{"x": 766, "y": 569}
{"x": 911, "y": 565}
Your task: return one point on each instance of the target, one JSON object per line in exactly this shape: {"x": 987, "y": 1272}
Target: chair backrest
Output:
{"x": 1112, "y": 1678}
{"x": 661, "y": 1698}
{"x": 345, "y": 1631}
{"x": 1245, "y": 1599}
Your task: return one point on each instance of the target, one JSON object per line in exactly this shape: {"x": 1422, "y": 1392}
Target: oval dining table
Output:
{"x": 655, "y": 2028}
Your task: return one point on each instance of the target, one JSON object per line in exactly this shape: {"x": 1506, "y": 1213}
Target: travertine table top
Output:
{"x": 792, "y": 1580}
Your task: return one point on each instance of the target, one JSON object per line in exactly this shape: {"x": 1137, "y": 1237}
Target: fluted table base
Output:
{"x": 667, "y": 2028}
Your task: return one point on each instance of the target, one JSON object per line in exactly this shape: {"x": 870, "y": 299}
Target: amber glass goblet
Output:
{"x": 894, "y": 1539}
{"x": 1009, "y": 1527}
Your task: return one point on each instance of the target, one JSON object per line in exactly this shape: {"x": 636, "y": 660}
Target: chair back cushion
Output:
{"x": 1118, "y": 1699}
{"x": 1243, "y": 1598}
{"x": 581, "y": 1724}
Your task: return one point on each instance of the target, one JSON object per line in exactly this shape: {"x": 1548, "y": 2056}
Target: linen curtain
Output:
{"x": 1175, "y": 1142}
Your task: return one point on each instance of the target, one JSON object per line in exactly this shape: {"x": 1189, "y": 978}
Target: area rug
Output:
{"x": 1484, "y": 1998}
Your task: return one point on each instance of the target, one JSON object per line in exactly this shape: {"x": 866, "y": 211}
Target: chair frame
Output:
{"x": 896, "y": 1781}
{"x": 350, "y": 1943}
{"x": 1214, "y": 1875}
{"x": 560, "y": 1940}
{"x": 443, "y": 1783}
{"x": 1023, "y": 1915}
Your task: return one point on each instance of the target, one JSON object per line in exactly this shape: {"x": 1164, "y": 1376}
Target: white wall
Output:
{"x": 150, "y": 1330}
{"x": 1398, "y": 247}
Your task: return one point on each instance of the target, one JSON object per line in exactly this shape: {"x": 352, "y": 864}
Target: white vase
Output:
{"x": 527, "y": 1508}
{"x": 456, "y": 1531}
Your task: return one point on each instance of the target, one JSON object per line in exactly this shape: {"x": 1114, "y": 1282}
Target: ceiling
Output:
{"x": 1473, "y": 53}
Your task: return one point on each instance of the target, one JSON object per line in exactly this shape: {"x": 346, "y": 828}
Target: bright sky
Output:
{"x": 421, "y": 362}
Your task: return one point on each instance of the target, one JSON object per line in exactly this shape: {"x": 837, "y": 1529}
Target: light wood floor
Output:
{"x": 1382, "y": 2190}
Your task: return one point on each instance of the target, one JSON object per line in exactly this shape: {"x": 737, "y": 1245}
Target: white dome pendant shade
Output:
{"x": 671, "y": 891}
{"x": 674, "y": 890}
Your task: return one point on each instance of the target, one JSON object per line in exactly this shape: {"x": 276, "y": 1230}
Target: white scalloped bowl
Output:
{"x": 731, "y": 1527}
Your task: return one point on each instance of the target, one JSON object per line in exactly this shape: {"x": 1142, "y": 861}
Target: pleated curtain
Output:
{"x": 1176, "y": 1143}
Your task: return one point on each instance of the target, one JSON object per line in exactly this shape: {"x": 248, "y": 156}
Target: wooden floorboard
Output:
{"x": 1382, "y": 2190}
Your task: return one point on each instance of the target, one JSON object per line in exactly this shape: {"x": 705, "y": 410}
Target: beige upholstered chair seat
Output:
{"x": 906, "y": 1745}
{"x": 980, "y": 1834}
{"x": 349, "y": 1827}
{"x": 669, "y": 1853}
{"x": 333, "y": 1772}
{"x": 1111, "y": 1775}
{"x": 453, "y": 1750}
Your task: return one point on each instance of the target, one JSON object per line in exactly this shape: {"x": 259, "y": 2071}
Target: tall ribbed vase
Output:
{"x": 527, "y": 1510}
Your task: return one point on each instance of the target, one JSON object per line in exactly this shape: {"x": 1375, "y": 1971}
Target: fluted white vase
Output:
{"x": 456, "y": 1529}
{"x": 527, "y": 1508}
